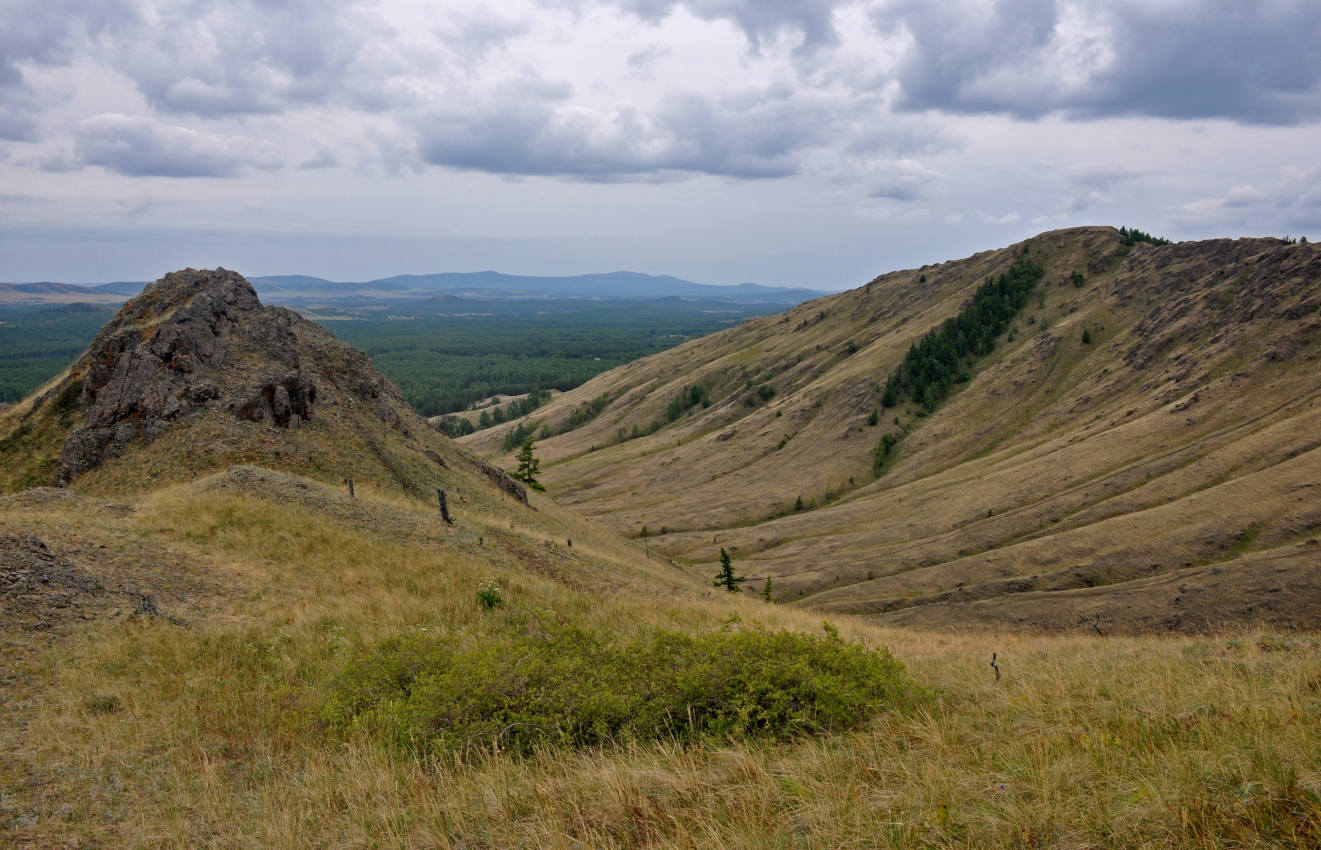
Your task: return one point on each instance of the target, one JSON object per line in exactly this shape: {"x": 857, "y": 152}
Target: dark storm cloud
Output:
{"x": 1251, "y": 62}
{"x": 143, "y": 147}
{"x": 1254, "y": 63}
{"x": 748, "y": 135}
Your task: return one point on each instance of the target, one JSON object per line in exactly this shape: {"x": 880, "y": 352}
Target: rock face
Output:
{"x": 193, "y": 340}
{"x": 170, "y": 351}
{"x": 195, "y": 375}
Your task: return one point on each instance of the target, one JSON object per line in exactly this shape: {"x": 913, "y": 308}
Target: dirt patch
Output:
{"x": 37, "y": 497}
{"x": 38, "y": 587}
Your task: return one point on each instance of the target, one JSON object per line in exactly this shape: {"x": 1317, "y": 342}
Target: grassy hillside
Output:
{"x": 124, "y": 729}
{"x": 1147, "y": 417}
{"x": 206, "y": 641}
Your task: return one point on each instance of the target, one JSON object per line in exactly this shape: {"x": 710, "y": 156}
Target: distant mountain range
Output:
{"x": 302, "y": 289}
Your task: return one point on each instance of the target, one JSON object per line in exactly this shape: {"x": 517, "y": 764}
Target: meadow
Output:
{"x": 149, "y": 733}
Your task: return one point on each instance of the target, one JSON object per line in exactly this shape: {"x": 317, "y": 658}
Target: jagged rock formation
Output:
{"x": 168, "y": 353}
{"x": 196, "y": 357}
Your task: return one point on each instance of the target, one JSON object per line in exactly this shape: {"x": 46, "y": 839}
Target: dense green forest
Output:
{"x": 444, "y": 355}
{"x": 38, "y": 344}
{"x": 944, "y": 357}
{"x": 444, "y": 363}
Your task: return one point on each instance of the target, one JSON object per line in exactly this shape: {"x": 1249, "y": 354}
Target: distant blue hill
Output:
{"x": 293, "y": 289}
{"x": 121, "y": 287}
{"x": 497, "y": 285}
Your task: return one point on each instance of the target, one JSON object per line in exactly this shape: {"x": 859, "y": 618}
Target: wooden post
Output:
{"x": 444, "y": 506}
{"x": 349, "y": 481}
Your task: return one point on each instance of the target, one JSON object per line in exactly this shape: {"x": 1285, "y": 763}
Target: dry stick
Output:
{"x": 996, "y": 666}
{"x": 349, "y": 481}
{"x": 1094, "y": 621}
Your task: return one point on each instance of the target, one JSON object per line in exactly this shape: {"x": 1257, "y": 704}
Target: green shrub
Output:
{"x": 490, "y": 595}
{"x": 689, "y": 398}
{"x": 575, "y": 687}
{"x": 884, "y": 449}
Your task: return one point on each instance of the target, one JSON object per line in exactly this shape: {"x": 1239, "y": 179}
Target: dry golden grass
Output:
{"x": 144, "y": 734}
{"x": 1182, "y": 436}
{"x": 119, "y": 729}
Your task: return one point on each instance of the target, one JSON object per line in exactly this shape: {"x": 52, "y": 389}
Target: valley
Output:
{"x": 1074, "y": 604}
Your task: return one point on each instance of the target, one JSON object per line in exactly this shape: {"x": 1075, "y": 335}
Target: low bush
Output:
{"x": 490, "y": 595}
{"x": 576, "y": 687}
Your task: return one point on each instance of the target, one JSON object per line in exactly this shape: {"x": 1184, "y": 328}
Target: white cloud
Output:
{"x": 562, "y": 120}
{"x": 143, "y": 147}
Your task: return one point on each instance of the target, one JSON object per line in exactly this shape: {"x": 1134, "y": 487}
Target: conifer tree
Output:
{"x": 529, "y": 467}
{"x": 726, "y": 578}
{"x": 767, "y": 590}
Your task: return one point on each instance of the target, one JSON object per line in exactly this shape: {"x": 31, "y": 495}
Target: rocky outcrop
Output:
{"x": 36, "y": 584}
{"x": 197, "y": 357}
{"x": 286, "y": 402}
{"x": 187, "y": 342}
{"x": 504, "y": 481}
{"x": 155, "y": 362}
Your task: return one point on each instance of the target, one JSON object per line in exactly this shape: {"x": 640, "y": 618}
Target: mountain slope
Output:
{"x": 1179, "y": 440}
{"x": 207, "y": 641}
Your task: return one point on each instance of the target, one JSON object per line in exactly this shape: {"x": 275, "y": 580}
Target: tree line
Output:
{"x": 1133, "y": 236}
{"x": 944, "y": 356}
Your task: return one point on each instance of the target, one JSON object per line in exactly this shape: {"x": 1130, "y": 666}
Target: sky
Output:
{"x": 812, "y": 143}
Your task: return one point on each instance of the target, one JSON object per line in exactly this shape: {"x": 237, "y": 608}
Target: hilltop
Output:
{"x": 195, "y": 374}
{"x": 1137, "y": 453}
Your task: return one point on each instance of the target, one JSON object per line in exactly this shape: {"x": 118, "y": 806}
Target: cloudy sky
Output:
{"x": 803, "y": 142}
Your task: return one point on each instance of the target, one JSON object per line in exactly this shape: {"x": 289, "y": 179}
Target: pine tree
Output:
{"x": 726, "y": 578}
{"x": 767, "y": 590}
{"x": 528, "y": 467}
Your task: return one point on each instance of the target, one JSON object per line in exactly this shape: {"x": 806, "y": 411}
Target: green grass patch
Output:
{"x": 566, "y": 686}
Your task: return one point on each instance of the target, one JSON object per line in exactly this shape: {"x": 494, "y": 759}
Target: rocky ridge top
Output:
{"x": 200, "y": 340}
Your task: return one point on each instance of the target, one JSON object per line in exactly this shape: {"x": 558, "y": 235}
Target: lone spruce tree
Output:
{"x": 726, "y": 578}
{"x": 528, "y": 467}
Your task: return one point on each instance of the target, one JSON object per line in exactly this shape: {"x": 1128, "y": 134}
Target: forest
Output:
{"x": 37, "y": 344}
{"x": 444, "y": 355}
{"x": 944, "y": 357}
